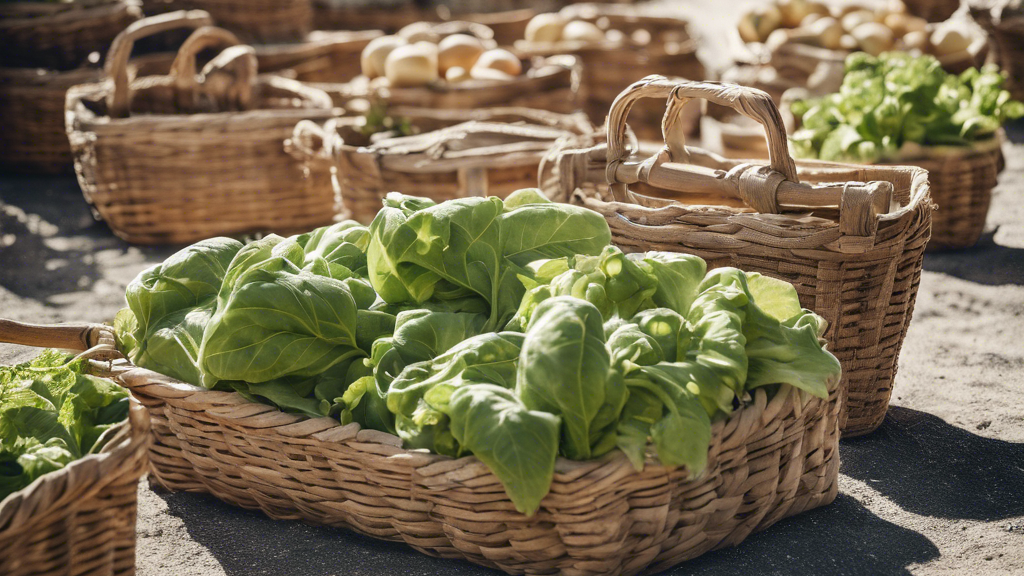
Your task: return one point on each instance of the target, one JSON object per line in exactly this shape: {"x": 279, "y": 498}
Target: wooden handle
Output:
{"x": 63, "y": 336}
{"x": 755, "y": 104}
{"x": 120, "y": 51}
{"x": 183, "y": 69}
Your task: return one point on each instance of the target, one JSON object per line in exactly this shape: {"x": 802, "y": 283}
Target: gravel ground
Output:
{"x": 938, "y": 489}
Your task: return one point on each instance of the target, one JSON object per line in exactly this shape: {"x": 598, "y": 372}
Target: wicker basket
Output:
{"x": 60, "y": 36}
{"x": 256, "y": 21}
{"x": 857, "y": 266}
{"x": 32, "y": 114}
{"x": 932, "y": 10}
{"x": 80, "y": 520}
{"x": 324, "y": 56}
{"x": 458, "y": 153}
{"x": 546, "y": 83}
{"x": 508, "y": 24}
{"x": 169, "y": 177}
{"x": 609, "y": 67}
{"x": 961, "y": 187}
{"x": 1007, "y": 32}
{"x": 772, "y": 458}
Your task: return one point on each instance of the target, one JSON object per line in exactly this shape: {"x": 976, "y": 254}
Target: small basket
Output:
{"x": 460, "y": 153}
{"x": 1007, "y": 33}
{"x": 166, "y": 177}
{"x": 771, "y": 459}
{"x": 32, "y": 114}
{"x": 324, "y": 56}
{"x": 254, "y": 21}
{"x": 932, "y": 10}
{"x": 387, "y": 15}
{"x": 961, "y": 186}
{"x": 546, "y": 83}
{"x": 853, "y": 251}
{"x": 60, "y": 36}
{"x": 609, "y": 67}
{"x": 80, "y": 519}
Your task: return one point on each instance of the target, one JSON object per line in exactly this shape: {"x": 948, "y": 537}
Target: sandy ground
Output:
{"x": 938, "y": 489}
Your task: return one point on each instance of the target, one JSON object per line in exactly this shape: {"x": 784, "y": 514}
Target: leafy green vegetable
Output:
{"x": 566, "y": 371}
{"x": 517, "y": 444}
{"x": 473, "y": 247}
{"x": 896, "y": 99}
{"x": 50, "y": 415}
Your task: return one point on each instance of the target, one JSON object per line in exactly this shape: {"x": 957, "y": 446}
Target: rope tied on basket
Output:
{"x": 758, "y": 186}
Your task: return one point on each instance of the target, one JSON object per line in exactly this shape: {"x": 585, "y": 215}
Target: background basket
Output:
{"x": 32, "y": 115}
{"x": 772, "y": 458}
{"x": 546, "y": 83}
{"x": 324, "y": 56}
{"x": 169, "y": 177}
{"x": 961, "y": 186}
{"x": 80, "y": 519}
{"x": 857, "y": 266}
{"x": 256, "y": 21}
{"x": 1006, "y": 29}
{"x": 932, "y": 10}
{"x": 459, "y": 153}
{"x": 610, "y": 67}
{"x": 60, "y": 36}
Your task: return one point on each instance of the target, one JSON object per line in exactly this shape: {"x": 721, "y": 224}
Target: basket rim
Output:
{"x": 81, "y": 118}
{"x": 50, "y": 489}
{"x": 330, "y": 430}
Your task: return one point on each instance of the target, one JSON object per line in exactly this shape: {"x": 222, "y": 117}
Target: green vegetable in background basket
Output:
{"x": 510, "y": 330}
{"x": 891, "y": 103}
{"x": 50, "y": 415}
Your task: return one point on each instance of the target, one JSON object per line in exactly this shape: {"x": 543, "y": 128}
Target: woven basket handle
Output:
{"x": 767, "y": 189}
{"x": 95, "y": 341}
{"x": 118, "y": 101}
{"x": 752, "y": 103}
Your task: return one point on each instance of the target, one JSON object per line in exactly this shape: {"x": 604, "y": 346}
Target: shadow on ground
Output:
{"x": 49, "y": 239}
{"x": 248, "y": 543}
{"x": 987, "y": 263}
{"x": 841, "y": 539}
{"x": 932, "y": 468}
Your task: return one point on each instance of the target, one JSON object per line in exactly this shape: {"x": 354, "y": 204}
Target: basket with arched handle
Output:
{"x": 775, "y": 456}
{"x": 851, "y": 238}
{"x": 182, "y": 157}
{"x": 79, "y": 520}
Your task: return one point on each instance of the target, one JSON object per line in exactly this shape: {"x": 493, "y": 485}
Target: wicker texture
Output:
{"x": 60, "y": 36}
{"x": 546, "y": 83}
{"x": 80, "y": 520}
{"x": 610, "y": 67}
{"x": 508, "y": 24}
{"x": 32, "y": 113}
{"x": 257, "y": 21}
{"x": 169, "y": 177}
{"x": 459, "y": 153}
{"x": 772, "y": 458}
{"x": 321, "y": 57}
{"x": 932, "y": 10}
{"x": 1006, "y": 28}
{"x": 859, "y": 269}
{"x": 961, "y": 187}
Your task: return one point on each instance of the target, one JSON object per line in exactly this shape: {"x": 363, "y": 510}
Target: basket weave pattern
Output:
{"x": 60, "y": 36}
{"x": 80, "y": 520}
{"x": 961, "y": 187}
{"x": 771, "y": 459}
{"x": 257, "y": 21}
{"x": 1007, "y": 33}
{"x": 32, "y": 113}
